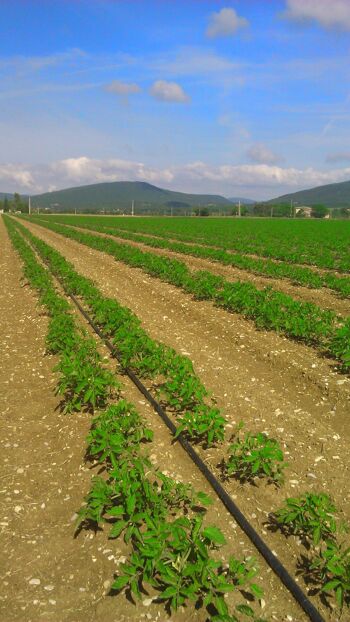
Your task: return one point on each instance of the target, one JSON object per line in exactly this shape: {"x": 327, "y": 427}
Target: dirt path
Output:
{"x": 46, "y": 574}
{"x": 324, "y": 298}
{"x": 273, "y": 384}
{"x": 201, "y": 242}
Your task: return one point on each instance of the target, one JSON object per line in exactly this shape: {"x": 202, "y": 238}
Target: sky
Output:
{"x": 245, "y": 98}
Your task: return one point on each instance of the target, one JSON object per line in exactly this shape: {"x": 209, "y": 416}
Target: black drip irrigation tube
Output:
{"x": 278, "y": 568}
{"x": 271, "y": 559}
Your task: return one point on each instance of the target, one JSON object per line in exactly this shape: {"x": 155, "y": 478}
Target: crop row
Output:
{"x": 162, "y": 521}
{"x": 252, "y": 456}
{"x": 320, "y": 243}
{"x": 296, "y": 274}
{"x": 269, "y": 309}
{"x": 180, "y": 388}
{"x": 83, "y": 381}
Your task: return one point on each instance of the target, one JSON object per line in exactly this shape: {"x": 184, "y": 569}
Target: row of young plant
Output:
{"x": 160, "y": 519}
{"x": 172, "y": 549}
{"x": 297, "y": 275}
{"x": 84, "y": 383}
{"x": 269, "y": 309}
{"x": 317, "y": 243}
{"x": 171, "y": 373}
{"x": 312, "y": 517}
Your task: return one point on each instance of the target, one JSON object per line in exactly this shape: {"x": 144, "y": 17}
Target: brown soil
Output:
{"x": 200, "y": 242}
{"x": 324, "y": 298}
{"x": 46, "y": 573}
{"x": 273, "y": 384}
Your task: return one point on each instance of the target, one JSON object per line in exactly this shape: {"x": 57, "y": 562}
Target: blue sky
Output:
{"x": 247, "y": 98}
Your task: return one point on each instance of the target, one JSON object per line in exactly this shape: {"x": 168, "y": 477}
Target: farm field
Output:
{"x": 315, "y": 242}
{"x": 276, "y": 359}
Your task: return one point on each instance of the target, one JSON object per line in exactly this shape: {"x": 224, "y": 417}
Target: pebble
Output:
{"x": 34, "y": 582}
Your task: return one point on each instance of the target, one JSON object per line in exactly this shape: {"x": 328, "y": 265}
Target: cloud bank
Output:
{"x": 225, "y": 23}
{"x": 327, "y": 13}
{"x": 256, "y": 180}
{"x": 169, "y": 92}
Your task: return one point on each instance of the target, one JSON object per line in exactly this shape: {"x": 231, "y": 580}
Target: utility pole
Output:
{"x": 271, "y": 211}
{"x": 133, "y": 208}
{"x": 29, "y": 207}
{"x": 171, "y": 212}
{"x": 239, "y": 209}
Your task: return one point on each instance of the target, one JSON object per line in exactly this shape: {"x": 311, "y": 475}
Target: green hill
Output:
{"x": 119, "y": 195}
{"x": 331, "y": 195}
{"x": 6, "y": 195}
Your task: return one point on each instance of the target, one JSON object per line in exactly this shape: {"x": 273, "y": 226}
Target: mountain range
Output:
{"x": 330, "y": 195}
{"x": 119, "y": 195}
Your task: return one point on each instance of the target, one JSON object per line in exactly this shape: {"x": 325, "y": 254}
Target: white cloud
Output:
{"x": 16, "y": 175}
{"x": 25, "y": 64}
{"x": 85, "y": 170}
{"x": 258, "y": 152}
{"x": 327, "y": 13}
{"x": 253, "y": 180}
{"x": 225, "y": 23}
{"x": 264, "y": 175}
{"x": 124, "y": 89}
{"x": 169, "y": 92}
{"x": 341, "y": 156}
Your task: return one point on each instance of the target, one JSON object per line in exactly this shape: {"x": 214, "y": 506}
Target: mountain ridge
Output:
{"x": 119, "y": 196}
{"x": 330, "y": 195}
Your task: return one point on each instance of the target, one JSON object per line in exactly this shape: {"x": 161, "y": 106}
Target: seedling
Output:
{"x": 255, "y": 455}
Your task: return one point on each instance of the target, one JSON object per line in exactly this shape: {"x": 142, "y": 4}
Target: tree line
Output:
{"x": 16, "y": 204}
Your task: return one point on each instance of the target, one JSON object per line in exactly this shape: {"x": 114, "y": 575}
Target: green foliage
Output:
{"x": 83, "y": 381}
{"x": 311, "y": 516}
{"x": 332, "y": 569}
{"x": 162, "y": 520}
{"x": 202, "y": 424}
{"x": 268, "y": 308}
{"x": 314, "y": 518}
{"x": 173, "y": 374}
{"x": 255, "y": 455}
{"x": 319, "y": 211}
{"x": 340, "y": 345}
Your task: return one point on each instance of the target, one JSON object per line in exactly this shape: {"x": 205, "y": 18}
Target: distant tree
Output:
{"x": 344, "y": 212}
{"x": 201, "y": 211}
{"x": 261, "y": 209}
{"x": 6, "y": 204}
{"x": 319, "y": 211}
{"x": 244, "y": 210}
{"x": 281, "y": 210}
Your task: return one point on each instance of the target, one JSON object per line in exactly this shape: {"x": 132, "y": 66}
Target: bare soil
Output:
{"x": 47, "y": 574}
{"x": 323, "y": 297}
{"x": 201, "y": 242}
{"x": 275, "y": 385}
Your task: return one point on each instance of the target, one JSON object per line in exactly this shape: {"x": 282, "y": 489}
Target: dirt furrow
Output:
{"x": 66, "y": 579}
{"x": 324, "y": 298}
{"x": 268, "y": 381}
{"x": 232, "y": 251}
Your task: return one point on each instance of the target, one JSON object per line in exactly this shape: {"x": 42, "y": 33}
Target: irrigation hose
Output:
{"x": 278, "y": 568}
{"x": 271, "y": 559}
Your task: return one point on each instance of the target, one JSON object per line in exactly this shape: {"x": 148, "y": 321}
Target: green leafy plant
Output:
{"x": 310, "y": 516}
{"x": 83, "y": 381}
{"x": 255, "y": 455}
{"x": 332, "y": 566}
